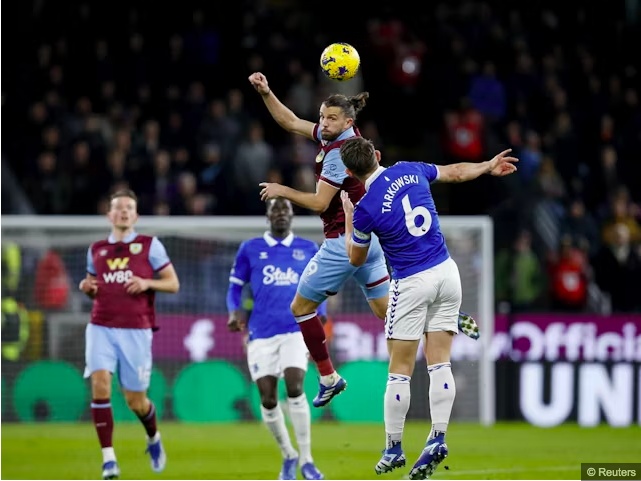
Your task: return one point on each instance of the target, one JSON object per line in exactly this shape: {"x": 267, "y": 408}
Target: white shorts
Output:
{"x": 428, "y": 301}
{"x": 270, "y": 357}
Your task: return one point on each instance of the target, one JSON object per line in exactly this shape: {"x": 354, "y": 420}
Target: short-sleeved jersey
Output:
{"x": 114, "y": 263}
{"x": 331, "y": 170}
{"x": 273, "y": 268}
{"x": 398, "y": 207}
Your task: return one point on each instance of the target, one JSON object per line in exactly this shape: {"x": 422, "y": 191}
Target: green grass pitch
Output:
{"x": 341, "y": 451}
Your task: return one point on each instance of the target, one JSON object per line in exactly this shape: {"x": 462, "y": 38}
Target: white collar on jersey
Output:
{"x": 374, "y": 176}
{"x": 272, "y": 241}
{"x": 126, "y": 240}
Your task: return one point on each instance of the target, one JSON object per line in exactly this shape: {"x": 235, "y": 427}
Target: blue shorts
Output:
{"x": 128, "y": 350}
{"x": 328, "y": 270}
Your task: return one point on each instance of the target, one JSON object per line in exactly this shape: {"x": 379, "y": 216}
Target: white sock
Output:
{"x": 301, "y": 418}
{"x": 154, "y": 439}
{"x": 108, "y": 454}
{"x": 275, "y": 421}
{"x": 330, "y": 379}
{"x": 396, "y": 405}
{"x": 442, "y": 394}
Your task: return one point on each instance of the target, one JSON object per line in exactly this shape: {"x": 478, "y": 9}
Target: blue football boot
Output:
{"x": 157, "y": 455}
{"x": 327, "y": 393}
{"x": 288, "y": 471}
{"x": 310, "y": 471}
{"x": 393, "y": 458}
{"x": 110, "y": 470}
{"x": 433, "y": 454}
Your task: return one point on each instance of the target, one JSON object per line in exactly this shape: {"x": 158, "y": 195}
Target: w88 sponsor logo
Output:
{"x": 118, "y": 277}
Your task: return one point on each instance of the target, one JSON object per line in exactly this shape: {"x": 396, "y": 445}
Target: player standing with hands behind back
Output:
{"x": 120, "y": 280}
{"x": 426, "y": 286}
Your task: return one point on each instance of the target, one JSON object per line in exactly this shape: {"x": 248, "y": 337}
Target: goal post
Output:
{"x": 193, "y": 334}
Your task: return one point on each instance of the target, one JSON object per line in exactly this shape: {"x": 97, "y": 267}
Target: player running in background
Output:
{"x": 120, "y": 280}
{"x": 330, "y": 268}
{"x": 272, "y": 264}
{"x": 426, "y": 286}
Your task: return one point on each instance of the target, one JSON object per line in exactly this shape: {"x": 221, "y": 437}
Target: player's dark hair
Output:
{"x": 270, "y": 202}
{"x": 350, "y": 106}
{"x": 124, "y": 193}
{"x": 359, "y": 156}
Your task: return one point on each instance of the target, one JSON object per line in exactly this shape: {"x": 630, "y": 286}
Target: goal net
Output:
{"x": 44, "y": 318}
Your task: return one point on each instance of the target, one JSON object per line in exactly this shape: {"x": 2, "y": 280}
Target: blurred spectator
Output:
{"x": 164, "y": 188}
{"x": 621, "y": 213}
{"x": 549, "y": 182}
{"x": 217, "y": 128}
{"x": 569, "y": 277}
{"x": 579, "y": 227}
{"x": 301, "y": 96}
{"x": 84, "y": 194}
{"x": 464, "y": 134}
{"x": 487, "y": 94}
{"x": 51, "y": 289}
{"x": 48, "y": 189}
{"x": 607, "y": 178}
{"x": 187, "y": 189}
{"x": 530, "y": 157}
{"x": 565, "y": 146}
{"x": 518, "y": 274}
{"x": 252, "y": 162}
{"x": 236, "y": 111}
{"x": 617, "y": 268}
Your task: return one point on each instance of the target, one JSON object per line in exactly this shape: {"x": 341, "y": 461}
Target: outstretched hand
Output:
{"x": 259, "y": 82}
{"x": 502, "y": 165}
{"x": 348, "y": 207}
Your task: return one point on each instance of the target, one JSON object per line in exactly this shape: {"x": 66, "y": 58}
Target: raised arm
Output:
{"x": 499, "y": 166}
{"x": 281, "y": 114}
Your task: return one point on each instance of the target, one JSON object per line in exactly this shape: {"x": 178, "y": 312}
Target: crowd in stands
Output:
{"x": 159, "y": 101}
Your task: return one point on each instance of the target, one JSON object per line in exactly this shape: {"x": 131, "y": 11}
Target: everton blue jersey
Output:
{"x": 398, "y": 207}
{"x": 272, "y": 267}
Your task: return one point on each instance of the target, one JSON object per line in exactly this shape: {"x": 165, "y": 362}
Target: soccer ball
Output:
{"x": 340, "y": 61}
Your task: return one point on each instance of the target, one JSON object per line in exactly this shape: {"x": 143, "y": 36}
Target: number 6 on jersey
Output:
{"x": 412, "y": 214}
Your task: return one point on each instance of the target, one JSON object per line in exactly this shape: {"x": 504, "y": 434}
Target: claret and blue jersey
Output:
{"x": 398, "y": 207}
{"x": 331, "y": 170}
{"x": 273, "y": 268}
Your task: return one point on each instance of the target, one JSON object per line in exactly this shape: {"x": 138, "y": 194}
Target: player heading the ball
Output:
{"x": 330, "y": 268}
{"x": 426, "y": 285}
